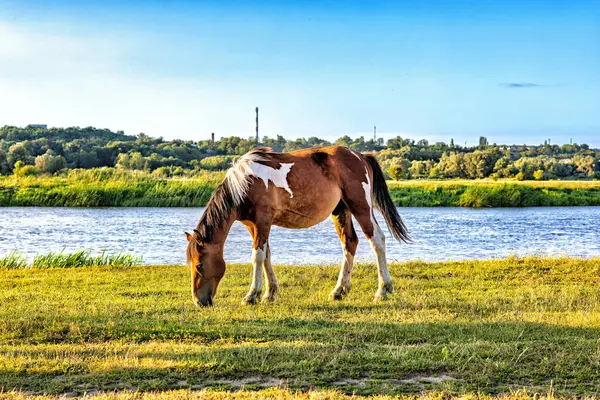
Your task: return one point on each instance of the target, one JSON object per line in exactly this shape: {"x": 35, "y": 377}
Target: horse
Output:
{"x": 294, "y": 190}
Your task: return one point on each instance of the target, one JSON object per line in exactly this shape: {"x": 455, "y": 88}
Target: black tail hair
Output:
{"x": 384, "y": 202}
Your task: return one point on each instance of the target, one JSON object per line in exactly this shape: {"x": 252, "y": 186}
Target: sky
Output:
{"x": 513, "y": 71}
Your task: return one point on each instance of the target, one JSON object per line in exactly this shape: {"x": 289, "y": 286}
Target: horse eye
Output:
{"x": 200, "y": 268}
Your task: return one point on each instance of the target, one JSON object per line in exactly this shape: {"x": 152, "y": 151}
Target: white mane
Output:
{"x": 238, "y": 176}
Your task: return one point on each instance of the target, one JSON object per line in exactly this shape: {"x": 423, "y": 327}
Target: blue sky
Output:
{"x": 514, "y": 71}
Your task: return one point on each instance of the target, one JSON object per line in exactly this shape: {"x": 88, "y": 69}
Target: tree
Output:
{"x": 395, "y": 143}
{"x": 22, "y": 170}
{"x": 401, "y": 170}
{"x": 20, "y": 152}
{"x": 344, "y": 141}
{"x": 4, "y": 166}
{"x": 586, "y": 165}
{"x": 539, "y": 175}
{"x": 50, "y": 163}
{"x": 123, "y": 161}
{"x": 483, "y": 142}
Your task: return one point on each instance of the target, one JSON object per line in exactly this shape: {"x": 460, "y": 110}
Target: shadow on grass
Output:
{"x": 365, "y": 358}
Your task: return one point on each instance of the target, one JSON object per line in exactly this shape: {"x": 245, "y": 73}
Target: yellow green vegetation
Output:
{"x": 108, "y": 187}
{"x": 488, "y": 193}
{"x": 273, "y": 393}
{"x": 484, "y": 327}
{"x": 111, "y": 187}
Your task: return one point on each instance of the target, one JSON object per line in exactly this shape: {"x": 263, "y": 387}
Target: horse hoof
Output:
{"x": 381, "y": 295}
{"x": 270, "y": 295}
{"x": 389, "y": 288}
{"x": 268, "y": 298}
{"x": 339, "y": 293}
{"x": 335, "y": 296}
{"x": 248, "y": 300}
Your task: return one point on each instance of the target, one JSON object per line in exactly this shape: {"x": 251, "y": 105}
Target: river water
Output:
{"x": 439, "y": 234}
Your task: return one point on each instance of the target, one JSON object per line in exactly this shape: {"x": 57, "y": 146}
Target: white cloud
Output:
{"x": 50, "y": 76}
{"x": 62, "y": 80}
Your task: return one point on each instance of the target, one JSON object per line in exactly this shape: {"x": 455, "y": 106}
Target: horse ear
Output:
{"x": 188, "y": 236}
{"x": 197, "y": 237}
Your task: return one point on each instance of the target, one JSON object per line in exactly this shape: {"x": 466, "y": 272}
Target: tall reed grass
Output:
{"x": 13, "y": 260}
{"x": 81, "y": 258}
{"x": 477, "y": 194}
{"x": 106, "y": 187}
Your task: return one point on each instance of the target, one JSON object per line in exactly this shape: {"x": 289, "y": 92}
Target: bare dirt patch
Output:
{"x": 415, "y": 380}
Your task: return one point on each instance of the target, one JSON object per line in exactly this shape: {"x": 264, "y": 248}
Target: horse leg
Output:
{"x": 272, "y": 285}
{"x": 260, "y": 234}
{"x": 342, "y": 219}
{"x": 377, "y": 241}
{"x": 362, "y": 210}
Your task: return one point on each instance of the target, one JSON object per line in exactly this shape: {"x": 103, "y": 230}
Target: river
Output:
{"x": 439, "y": 234}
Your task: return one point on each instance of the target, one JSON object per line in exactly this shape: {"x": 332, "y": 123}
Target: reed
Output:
{"x": 13, "y": 260}
{"x": 79, "y": 259}
{"x": 83, "y": 258}
{"x": 108, "y": 187}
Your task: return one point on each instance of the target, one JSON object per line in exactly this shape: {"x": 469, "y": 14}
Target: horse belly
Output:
{"x": 309, "y": 211}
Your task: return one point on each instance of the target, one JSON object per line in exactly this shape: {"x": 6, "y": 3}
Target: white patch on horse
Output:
{"x": 277, "y": 176}
{"x": 343, "y": 283}
{"x": 367, "y": 188}
{"x": 377, "y": 242}
{"x": 238, "y": 176}
{"x": 346, "y": 271}
{"x": 258, "y": 258}
{"x": 356, "y": 155}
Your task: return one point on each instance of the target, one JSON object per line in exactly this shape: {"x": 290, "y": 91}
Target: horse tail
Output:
{"x": 384, "y": 203}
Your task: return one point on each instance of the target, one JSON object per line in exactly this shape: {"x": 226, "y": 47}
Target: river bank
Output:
{"x": 93, "y": 189}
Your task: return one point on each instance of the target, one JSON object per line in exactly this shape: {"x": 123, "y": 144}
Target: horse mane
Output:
{"x": 228, "y": 196}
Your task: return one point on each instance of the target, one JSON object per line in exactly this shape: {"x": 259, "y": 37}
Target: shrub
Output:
{"x": 217, "y": 163}
{"x": 50, "y": 163}
{"x": 539, "y": 175}
{"x": 400, "y": 171}
{"x": 21, "y": 170}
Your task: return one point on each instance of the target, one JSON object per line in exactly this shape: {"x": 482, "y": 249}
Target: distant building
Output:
{"x": 38, "y": 126}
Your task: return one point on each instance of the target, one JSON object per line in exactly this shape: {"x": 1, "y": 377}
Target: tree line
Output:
{"x": 32, "y": 150}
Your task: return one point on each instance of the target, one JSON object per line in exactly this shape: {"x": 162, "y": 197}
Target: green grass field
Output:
{"x": 108, "y": 187}
{"x": 513, "y": 326}
{"x": 96, "y": 188}
{"x": 488, "y": 193}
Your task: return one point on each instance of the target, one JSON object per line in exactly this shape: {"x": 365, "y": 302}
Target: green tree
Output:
{"x": 50, "y": 163}
{"x": 21, "y": 170}
{"x": 344, "y": 141}
{"x": 539, "y": 175}
{"x": 401, "y": 170}
{"x": 483, "y": 142}
{"x": 123, "y": 161}
{"x": 4, "y": 165}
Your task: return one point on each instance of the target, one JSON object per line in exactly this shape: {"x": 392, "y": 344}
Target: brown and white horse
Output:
{"x": 293, "y": 190}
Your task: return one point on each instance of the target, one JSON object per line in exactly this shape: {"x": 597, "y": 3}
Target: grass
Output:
{"x": 13, "y": 260}
{"x": 475, "y": 327}
{"x": 272, "y": 393}
{"x": 83, "y": 258}
{"x": 486, "y": 193}
{"x": 109, "y": 187}
{"x": 79, "y": 259}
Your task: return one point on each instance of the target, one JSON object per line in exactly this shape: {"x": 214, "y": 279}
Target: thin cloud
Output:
{"x": 521, "y": 85}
